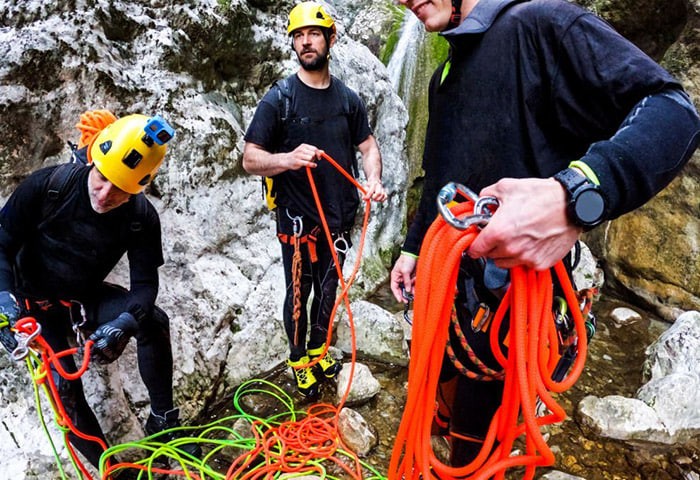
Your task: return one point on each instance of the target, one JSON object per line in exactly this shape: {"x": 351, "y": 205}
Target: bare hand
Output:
{"x": 403, "y": 277}
{"x": 304, "y": 155}
{"x": 375, "y": 191}
{"x": 530, "y": 226}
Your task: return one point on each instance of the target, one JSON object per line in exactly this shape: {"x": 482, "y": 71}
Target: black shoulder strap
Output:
{"x": 59, "y": 181}
{"x": 140, "y": 207}
{"x": 344, "y": 91}
{"x": 284, "y": 98}
{"x": 63, "y": 176}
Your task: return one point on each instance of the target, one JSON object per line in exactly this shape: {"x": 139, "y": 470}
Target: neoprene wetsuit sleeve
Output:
{"x": 652, "y": 145}
{"x": 8, "y": 250}
{"x": 145, "y": 254}
{"x": 18, "y": 218}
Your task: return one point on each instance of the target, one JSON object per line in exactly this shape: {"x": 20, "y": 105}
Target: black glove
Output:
{"x": 111, "y": 338}
{"x": 9, "y": 312}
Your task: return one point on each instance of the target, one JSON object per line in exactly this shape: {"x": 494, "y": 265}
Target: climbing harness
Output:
{"x": 77, "y": 319}
{"x": 528, "y": 363}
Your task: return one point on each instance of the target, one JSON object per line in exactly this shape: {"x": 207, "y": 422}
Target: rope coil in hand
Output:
{"x": 528, "y": 364}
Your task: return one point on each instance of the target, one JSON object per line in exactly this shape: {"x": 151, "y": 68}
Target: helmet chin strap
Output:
{"x": 456, "y": 17}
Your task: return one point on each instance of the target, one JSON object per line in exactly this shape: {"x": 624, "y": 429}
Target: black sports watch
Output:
{"x": 586, "y": 205}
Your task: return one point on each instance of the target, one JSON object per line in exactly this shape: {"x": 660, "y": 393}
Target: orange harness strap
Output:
{"x": 296, "y": 240}
{"x": 309, "y": 239}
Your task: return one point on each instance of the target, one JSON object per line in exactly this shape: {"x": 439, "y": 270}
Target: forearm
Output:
{"x": 142, "y": 298}
{"x": 371, "y": 160}
{"x": 652, "y": 145}
{"x": 258, "y": 161}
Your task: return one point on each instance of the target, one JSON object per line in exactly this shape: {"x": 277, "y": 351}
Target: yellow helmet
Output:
{"x": 129, "y": 151}
{"x": 309, "y": 14}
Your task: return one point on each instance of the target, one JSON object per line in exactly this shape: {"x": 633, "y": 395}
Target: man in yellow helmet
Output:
{"x": 301, "y": 117}
{"x": 62, "y": 231}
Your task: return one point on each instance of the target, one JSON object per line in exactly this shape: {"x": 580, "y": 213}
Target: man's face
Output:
{"x": 435, "y": 14}
{"x": 104, "y": 195}
{"x": 311, "y": 47}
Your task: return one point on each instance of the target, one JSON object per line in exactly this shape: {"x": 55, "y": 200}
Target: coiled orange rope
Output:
{"x": 528, "y": 364}
{"x": 91, "y": 123}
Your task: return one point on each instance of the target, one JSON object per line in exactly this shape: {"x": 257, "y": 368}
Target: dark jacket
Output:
{"x": 62, "y": 249}
{"x": 531, "y": 86}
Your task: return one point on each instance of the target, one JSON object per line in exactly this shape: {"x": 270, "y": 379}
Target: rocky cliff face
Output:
{"x": 204, "y": 65}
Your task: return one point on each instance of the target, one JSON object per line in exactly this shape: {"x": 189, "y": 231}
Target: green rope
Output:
{"x": 40, "y": 413}
{"x": 221, "y": 440}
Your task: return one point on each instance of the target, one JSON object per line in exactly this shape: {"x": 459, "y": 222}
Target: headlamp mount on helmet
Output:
{"x": 157, "y": 130}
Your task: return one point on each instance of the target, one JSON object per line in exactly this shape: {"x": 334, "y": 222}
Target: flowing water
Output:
{"x": 403, "y": 60}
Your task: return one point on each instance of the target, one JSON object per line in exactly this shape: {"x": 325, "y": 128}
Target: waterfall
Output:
{"x": 402, "y": 63}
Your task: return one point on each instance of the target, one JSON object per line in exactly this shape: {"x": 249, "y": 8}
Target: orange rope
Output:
{"x": 296, "y": 278}
{"x": 49, "y": 359}
{"x": 290, "y": 446}
{"x": 528, "y": 363}
{"x": 91, "y": 123}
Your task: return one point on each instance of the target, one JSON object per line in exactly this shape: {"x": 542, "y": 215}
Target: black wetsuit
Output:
{"x": 54, "y": 256}
{"x": 321, "y": 118}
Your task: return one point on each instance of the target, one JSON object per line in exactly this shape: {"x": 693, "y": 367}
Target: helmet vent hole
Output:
{"x": 132, "y": 159}
{"x": 105, "y": 146}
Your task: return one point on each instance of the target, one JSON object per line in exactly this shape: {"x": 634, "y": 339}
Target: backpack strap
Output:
{"x": 344, "y": 91}
{"x": 64, "y": 177}
{"x": 59, "y": 181}
{"x": 284, "y": 98}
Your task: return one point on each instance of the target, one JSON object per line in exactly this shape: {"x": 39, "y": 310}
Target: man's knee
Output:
{"x": 155, "y": 325}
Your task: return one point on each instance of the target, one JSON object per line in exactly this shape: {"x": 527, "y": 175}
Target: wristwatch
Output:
{"x": 586, "y": 205}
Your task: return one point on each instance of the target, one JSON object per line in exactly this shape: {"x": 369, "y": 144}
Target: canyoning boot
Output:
{"x": 166, "y": 424}
{"x": 306, "y": 380}
{"x": 329, "y": 366}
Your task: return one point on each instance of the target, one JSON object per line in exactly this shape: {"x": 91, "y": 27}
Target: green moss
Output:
{"x": 433, "y": 52}
{"x": 392, "y": 38}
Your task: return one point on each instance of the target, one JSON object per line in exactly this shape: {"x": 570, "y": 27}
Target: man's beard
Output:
{"x": 317, "y": 63}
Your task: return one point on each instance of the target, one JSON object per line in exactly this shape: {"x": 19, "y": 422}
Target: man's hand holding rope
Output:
{"x": 530, "y": 226}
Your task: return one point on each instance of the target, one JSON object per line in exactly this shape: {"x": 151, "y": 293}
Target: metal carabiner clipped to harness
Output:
{"x": 481, "y": 214}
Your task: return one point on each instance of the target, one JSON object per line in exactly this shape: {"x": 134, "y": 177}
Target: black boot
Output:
{"x": 156, "y": 424}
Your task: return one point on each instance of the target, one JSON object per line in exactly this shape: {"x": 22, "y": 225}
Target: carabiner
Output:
{"x": 22, "y": 350}
{"x": 297, "y": 224}
{"x": 341, "y": 245}
{"x": 407, "y": 305}
{"x": 481, "y": 215}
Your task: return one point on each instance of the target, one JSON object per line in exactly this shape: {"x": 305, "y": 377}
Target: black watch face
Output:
{"x": 589, "y": 206}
